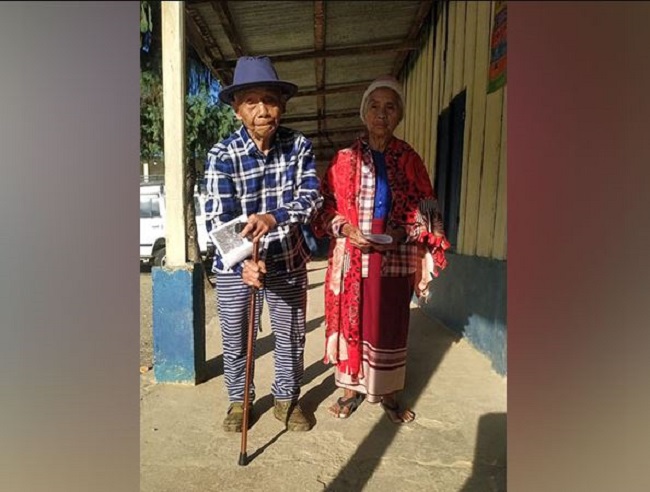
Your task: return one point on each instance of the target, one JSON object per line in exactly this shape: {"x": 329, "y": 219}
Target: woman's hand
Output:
{"x": 398, "y": 234}
{"x": 356, "y": 237}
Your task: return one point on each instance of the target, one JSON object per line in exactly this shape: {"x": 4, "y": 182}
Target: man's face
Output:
{"x": 259, "y": 109}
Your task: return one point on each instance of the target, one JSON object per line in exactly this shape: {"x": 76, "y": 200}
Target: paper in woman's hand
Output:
{"x": 379, "y": 238}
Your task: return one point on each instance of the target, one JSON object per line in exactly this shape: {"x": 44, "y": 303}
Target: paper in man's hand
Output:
{"x": 231, "y": 246}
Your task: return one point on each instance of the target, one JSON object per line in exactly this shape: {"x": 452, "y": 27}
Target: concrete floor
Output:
{"x": 457, "y": 442}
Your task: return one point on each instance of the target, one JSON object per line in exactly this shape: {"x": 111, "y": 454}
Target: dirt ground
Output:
{"x": 456, "y": 444}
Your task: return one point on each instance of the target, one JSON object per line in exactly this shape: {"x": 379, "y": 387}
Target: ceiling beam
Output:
{"x": 424, "y": 10}
{"x": 337, "y": 143}
{"x": 341, "y": 134}
{"x": 357, "y": 87}
{"x": 319, "y": 62}
{"x": 228, "y": 24}
{"x": 302, "y": 118}
{"x": 203, "y": 43}
{"x": 341, "y": 131}
{"x": 356, "y": 50}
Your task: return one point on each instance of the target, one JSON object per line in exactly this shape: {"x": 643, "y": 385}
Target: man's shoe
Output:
{"x": 290, "y": 413}
{"x": 234, "y": 420}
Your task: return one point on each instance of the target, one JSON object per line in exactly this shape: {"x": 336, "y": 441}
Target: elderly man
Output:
{"x": 266, "y": 172}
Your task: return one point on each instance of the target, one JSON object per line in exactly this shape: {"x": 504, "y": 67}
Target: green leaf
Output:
{"x": 144, "y": 20}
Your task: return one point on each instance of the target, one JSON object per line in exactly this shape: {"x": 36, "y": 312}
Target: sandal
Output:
{"x": 351, "y": 404}
{"x": 396, "y": 414}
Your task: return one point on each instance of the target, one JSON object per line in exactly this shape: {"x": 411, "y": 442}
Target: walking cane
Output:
{"x": 243, "y": 459}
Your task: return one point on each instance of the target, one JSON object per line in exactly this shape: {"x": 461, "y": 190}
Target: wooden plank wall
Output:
{"x": 455, "y": 57}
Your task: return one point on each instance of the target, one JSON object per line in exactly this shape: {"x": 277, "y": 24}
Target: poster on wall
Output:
{"x": 497, "y": 72}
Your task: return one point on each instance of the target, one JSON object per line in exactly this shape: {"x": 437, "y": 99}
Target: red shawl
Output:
{"x": 410, "y": 187}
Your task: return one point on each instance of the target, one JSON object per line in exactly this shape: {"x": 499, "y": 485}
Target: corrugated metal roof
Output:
{"x": 334, "y": 47}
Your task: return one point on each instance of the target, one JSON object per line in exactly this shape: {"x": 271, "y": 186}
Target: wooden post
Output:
{"x": 178, "y": 295}
{"x": 173, "y": 49}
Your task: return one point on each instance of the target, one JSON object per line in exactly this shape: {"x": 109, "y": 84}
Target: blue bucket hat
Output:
{"x": 255, "y": 71}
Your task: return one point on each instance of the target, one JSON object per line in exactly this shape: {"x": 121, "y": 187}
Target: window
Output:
{"x": 449, "y": 165}
{"x": 149, "y": 207}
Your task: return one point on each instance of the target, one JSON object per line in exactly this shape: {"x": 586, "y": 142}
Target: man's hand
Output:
{"x": 253, "y": 273}
{"x": 258, "y": 225}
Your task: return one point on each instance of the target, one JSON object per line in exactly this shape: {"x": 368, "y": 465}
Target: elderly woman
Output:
{"x": 382, "y": 217}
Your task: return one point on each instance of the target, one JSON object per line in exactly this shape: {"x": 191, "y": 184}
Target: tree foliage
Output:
{"x": 207, "y": 121}
{"x": 151, "y": 116}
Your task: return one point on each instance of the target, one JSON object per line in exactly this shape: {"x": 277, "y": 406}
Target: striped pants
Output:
{"x": 286, "y": 296}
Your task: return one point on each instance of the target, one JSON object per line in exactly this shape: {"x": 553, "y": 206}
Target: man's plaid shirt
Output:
{"x": 240, "y": 179}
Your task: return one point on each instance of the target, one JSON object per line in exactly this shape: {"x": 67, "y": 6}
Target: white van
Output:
{"x": 152, "y": 224}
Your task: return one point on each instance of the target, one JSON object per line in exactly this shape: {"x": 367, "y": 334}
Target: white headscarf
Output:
{"x": 387, "y": 81}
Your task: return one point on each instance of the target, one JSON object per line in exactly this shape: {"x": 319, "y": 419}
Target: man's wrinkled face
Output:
{"x": 259, "y": 109}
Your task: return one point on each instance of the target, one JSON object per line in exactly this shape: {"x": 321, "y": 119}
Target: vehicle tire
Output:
{"x": 160, "y": 258}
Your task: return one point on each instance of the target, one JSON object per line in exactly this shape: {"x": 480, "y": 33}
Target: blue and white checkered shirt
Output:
{"x": 240, "y": 179}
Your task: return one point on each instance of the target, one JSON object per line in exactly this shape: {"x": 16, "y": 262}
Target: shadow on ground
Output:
{"x": 428, "y": 344}
{"x": 490, "y": 457}
{"x": 309, "y": 401}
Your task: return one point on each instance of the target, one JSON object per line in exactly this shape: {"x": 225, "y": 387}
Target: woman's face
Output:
{"x": 383, "y": 112}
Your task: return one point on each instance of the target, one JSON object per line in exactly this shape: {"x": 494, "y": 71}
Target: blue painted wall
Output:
{"x": 470, "y": 298}
{"x": 178, "y": 324}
